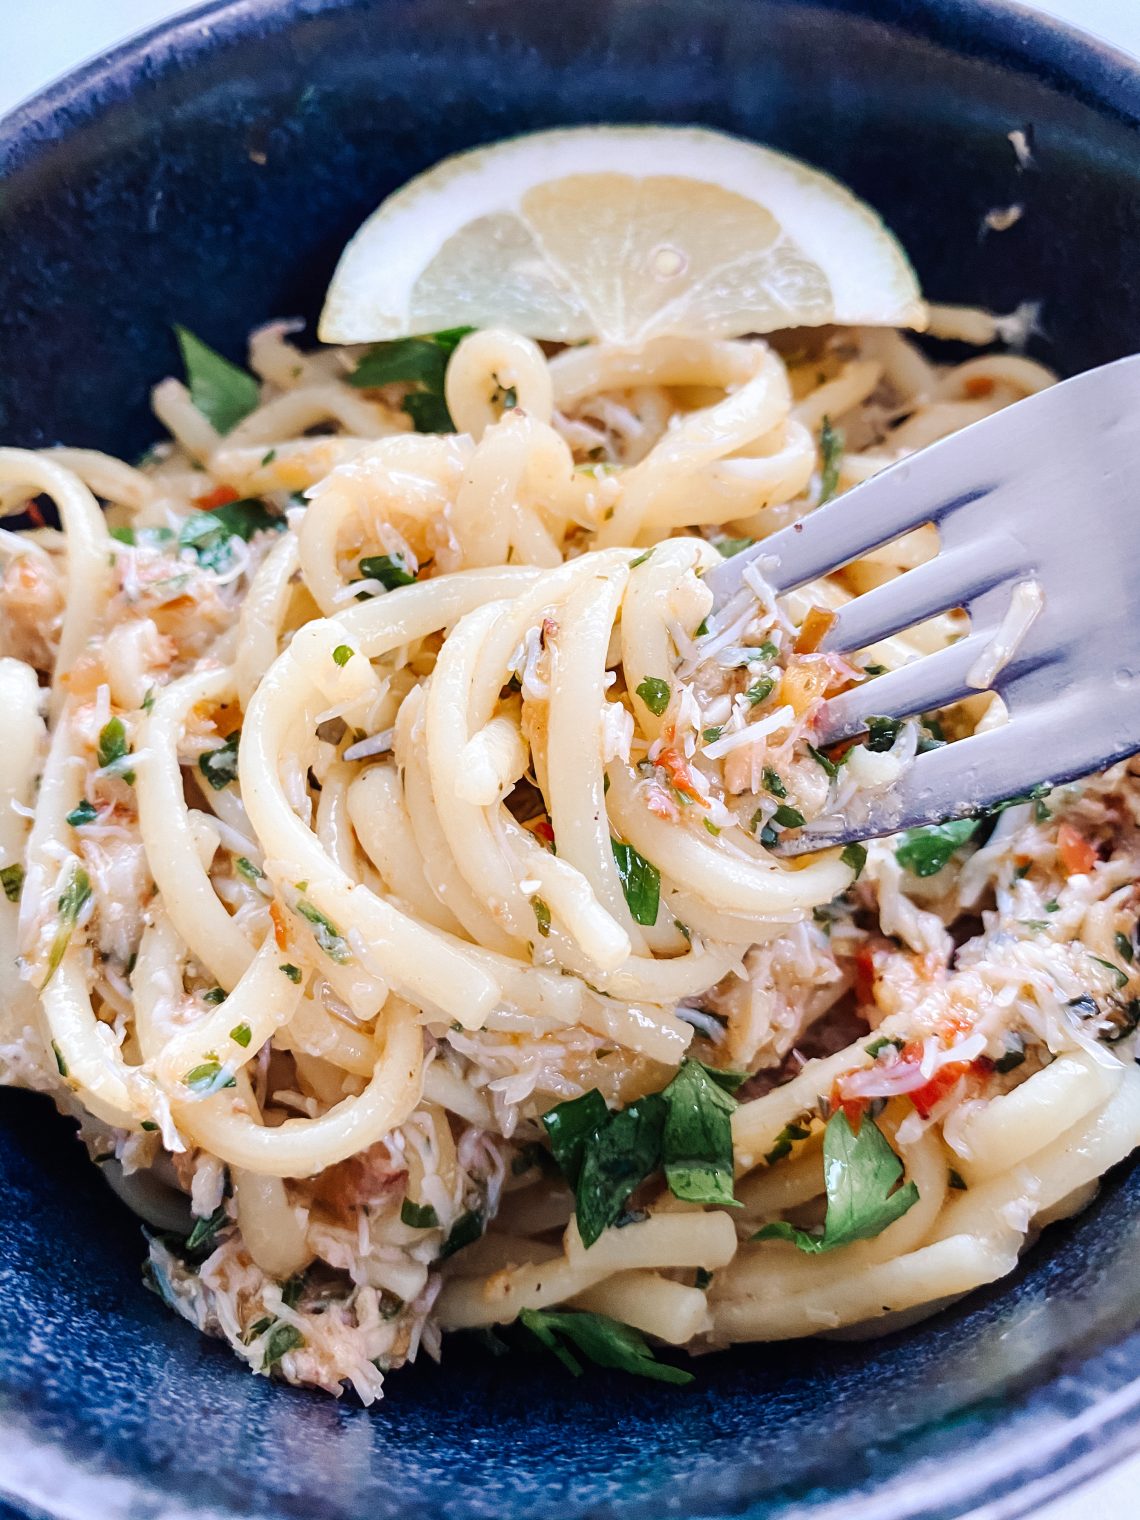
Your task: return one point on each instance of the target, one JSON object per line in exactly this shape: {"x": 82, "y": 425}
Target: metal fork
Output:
{"x": 1046, "y": 490}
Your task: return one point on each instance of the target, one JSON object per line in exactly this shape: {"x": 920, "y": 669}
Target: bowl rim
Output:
{"x": 1026, "y": 1471}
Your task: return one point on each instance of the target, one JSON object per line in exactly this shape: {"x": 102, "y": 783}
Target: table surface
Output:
{"x": 44, "y": 38}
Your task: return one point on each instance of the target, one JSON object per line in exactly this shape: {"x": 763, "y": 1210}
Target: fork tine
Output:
{"x": 952, "y": 579}
{"x": 931, "y": 682}
{"x": 978, "y": 772}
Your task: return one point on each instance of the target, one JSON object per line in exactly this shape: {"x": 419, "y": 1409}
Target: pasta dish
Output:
{"x": 389, "y": 846}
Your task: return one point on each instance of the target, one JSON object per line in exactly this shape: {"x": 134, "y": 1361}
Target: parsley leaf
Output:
{"x": 860, "y": 1171}
{"x": 605, "y": 1341}
{"x": 882, "y": 733}
{"x": 730, "y": 546}
{"x": 241, "y": 1034}
{"x": 12, "y": 880}
{"x": 418, "y": 1216}
{"x": 467, "y": 1229}
{"x": 222, "y": 392}
{"x": 569, "y": 1126}
{"x": 72, "y": 901}
{"x": 541, "y": 916}
{"x": 204, "y": 1231}
{"x": 114, "y": 750}
{"x": 924, "y": 851}
{"x": 640, "y": 881}
{"x": 696, "y": 1145}
{"x": 654, "y": 692}
{"x": 855, "y": 856}
{"x": 292, "y": 972}
{"x": 417, "y": 361}
{"x": 760, "y": 690}
{"x": 773, "y": 783}
{"x": 220, "y": 766}
{"x": 618, "y": 1157}
{"x": 208, "y": 534}
{"x": 83, "y": 812}
{"x": 325, "y": 932}
{"x": 209, "y": 1077}
{"x": 831, "y": 442}
{"x": 342, "y": 654}
{"x": 279, "y": 1339}
{"x": 391, "y": 570}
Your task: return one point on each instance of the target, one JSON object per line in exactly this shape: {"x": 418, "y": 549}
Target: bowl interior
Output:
{"x": 211, "y": 179}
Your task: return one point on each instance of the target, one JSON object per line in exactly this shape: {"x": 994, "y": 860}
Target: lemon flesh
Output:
{"x": 624, "y": 234}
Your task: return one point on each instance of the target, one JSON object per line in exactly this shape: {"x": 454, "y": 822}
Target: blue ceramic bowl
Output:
{"x": 209, "y": 173}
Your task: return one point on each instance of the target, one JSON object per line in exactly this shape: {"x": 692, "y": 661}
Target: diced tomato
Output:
{"x": 812, "y": 630}
{"x": 280, "y": 925}
{"x": 673, "y": 763}
{"x": 220, "y": 496}
{"x": 1076, "y": 854}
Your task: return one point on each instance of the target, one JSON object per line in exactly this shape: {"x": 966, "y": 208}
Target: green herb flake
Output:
{"x": 882, "y": 1043}
{"x": 222, "y": 392}
{"x": 83, "y": 812}
{"x": 114, "y": 750}
{"x": 569, "y": 1126}
{"x": 788, "y": 817}
{"x": 466, "y": 1230}
{"x": 292, "y": 972}
{"x": 209, "y": 1077}
{"x": 149, "y": 700}
{"x": 956, "y": 1180}
{"x": 925, "y": 851}
{"x": 342, "y": 654}
{"x": 1124, "y": 948}
{"x": 245, "y": 867}
{"x": 882, "y": 733}
{"x": 71, "y": 903}
{"x": 220, "y": 766}
{"x": 12, "y": 880}
{"x": 712, "y": 828}
{"x": 1121, "y": 976}
{"x": 418, "y": 1216}
{"x": 855, "y": 856}
{"x": 641, "y": 559}
{"x": 1013, "y": 1055}
{"x": 860, "y": 1174}
{"x": 831, "y": 442}
{"x": 732, "y": 546}
{"x": 208, "y": 535}
{"x": 204, "y": 1231}
{"x": 541, "y": 916}
{"x": 325, "y": 932}
{"x": 617, "y": 1158}
{"x": 149, "y": 1125}
{"x": 391, "y": 570}
{"x": 60, "y": 1063}
{"x": 604, "y": 1341}
{"x": 214, "y": 995}
{"x": 640, "y": 881}
{"x": 696, "y": 1143}
{"x": 241, "y": 1034}
{"x": 760, "y": 690}
{"x": 654, "y": 692}
{"x": 711, "y": 735}
{"x": 773, "y": 783}
{"x": 279, "y": 1339}
{"x": 421, "y": 360}
{"x": 268, "y": 458}
{"x": 785, "y": 1140}
{"x": 831, "y": 767}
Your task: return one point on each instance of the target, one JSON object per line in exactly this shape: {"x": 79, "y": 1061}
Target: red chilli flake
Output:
{"x": 220, "y": 496}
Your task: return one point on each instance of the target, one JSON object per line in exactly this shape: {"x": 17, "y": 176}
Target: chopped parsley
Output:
{"x": 418, "y": 1216}
{"x": 466, "y": 1230}
{"x": 83, "y": 812}
{"x": 641, "y": 559}
{"x": 241, "y": 1034}
{"x": 1121, "y": 976}
{"x": 1013, "y": 1055}
{"x": 924, "y": 851}
{"x": 342, "y": 654}
{"x": 711, "y": 735}
{"x": 785, "y": 1140}
{"x": 222, "y": 392}
{"x": 882, "y": 733}
{"x": 279, "y": 1338}
{"x": 831, "y": 767}
{"x": 204, "y": 1231}
{"x": 72, "y": 901}
{"x": 60, "y": 1063}
{"x": 604, "y": 1341}
{"x": 391, "y": 570}
{"x": 325, "y": 932}
{"x": 114, "y": 750}
{"x": 214, "y": 995}
{"x": 12, "y": 880}
{"x": 760, "y": 690}
{"x": 654, "y": 692}
{"x": 860, "y": 1174}
{"x": 1124, "y": 948}
{"x": 209, "y": 534}
{"x": 640, "y": 881}
{"x": 831, "y": 442}
{"x": 420, "y": 362}
{"x": 291, "y": 971}
{"x": 684, "y": 1130}
{"x": 855, "y": 856}
{"x": 788, "y": 817}
{"x": 541, "y": 916}
{"x": 209, "y": 1077}
{"x": 730, "y": 546}
{"x": 773, "y": 783}
{"x": 220, "y": 766}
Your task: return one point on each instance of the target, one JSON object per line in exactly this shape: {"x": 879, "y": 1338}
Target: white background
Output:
{"x": 40, "y": 39}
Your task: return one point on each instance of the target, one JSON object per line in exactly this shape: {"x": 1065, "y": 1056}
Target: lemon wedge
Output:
{"x": 621, "y": 233}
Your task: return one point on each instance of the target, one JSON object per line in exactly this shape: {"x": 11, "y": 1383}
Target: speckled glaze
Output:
{"x": 209, "y": 174}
